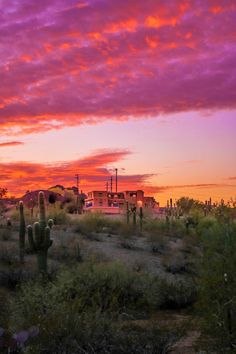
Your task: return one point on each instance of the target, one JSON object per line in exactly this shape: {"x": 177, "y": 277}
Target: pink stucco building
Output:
{"x": 112, "y": 202}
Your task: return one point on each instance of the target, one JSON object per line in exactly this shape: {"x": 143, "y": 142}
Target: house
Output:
{"x": 116, "y": 202}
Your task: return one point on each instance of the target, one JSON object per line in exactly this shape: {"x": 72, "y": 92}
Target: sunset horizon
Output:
{"x": 90, "y": 86}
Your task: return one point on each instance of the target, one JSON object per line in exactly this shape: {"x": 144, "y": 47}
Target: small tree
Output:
{"x": 52, "y": 198}
{"x": 185, "y": 205}
{"x": 3, "y": 192}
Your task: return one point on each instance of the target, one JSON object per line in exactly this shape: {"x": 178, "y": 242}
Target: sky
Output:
{"x": 148, "y": 87}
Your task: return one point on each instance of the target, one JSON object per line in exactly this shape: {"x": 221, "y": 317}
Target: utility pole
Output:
{"x": 111, "y": 184}
{"x": 107, "y": 187}
{"x": 116, "y": 178}
{"x": 77, "y": 186}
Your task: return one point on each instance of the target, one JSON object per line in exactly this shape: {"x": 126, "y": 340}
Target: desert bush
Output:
{"x": 15, "y": 215}
{"x": 81, "y": 310}
{"x": 126, "y": 236}
{"x": 9, "y": 254}
{"x": 66, "y": 248}
{"x": 96, "y": 333}
{"x": 175, "y": 263}
{"x": 12, "y": 277}
{"x": 205, "y": 224}
{"x": 110, "y": 288}
{"x": 91, "y": 223}
{"x": 66, "y": 254}
{"x": 177, "y": 293}
{"x": 187, "y": 205}
{"x": 158, "y": 243}
{"x": 139, "y": 265}
{"x": 100, "y": 287}
{"x": 5, "y": 233}
{"x": 106, "y": 287}
{"x": 98, "y": 223}
{"x": 58, "y": 215}
{"x": 177, "y": 228}
{"x": 157, "y": 227}
{"x": 4, "y": 306}
{"x": 217, "y": 286}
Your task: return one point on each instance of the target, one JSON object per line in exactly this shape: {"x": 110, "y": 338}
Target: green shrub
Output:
{"x": 90, "y": 222}
{"x": 66, "y": 248}
{"x": 97, "y": 223}
{"x": 157, "y": 227}
{"x": 177, "y": 228}
{"x": 217, "y": 286}
{"x": 15, "y": 215}
{"x": 4, "y": 306}
{"x": 97, "y": 333}
{"x": 14, "y": 277}
{"x": 175, "y": 263}
{"x": 58, "y": 215}
{"x": 180, "y": 262}
{"x": 176, "y": 293}
{"x": 5, "y": 233}
{"x": 126, "y": 236}
{"x": 81, "y": 311}
{"x": 9, "y": 254}
{"x": 158, "y": 243}
{"x": 205, "y": 224}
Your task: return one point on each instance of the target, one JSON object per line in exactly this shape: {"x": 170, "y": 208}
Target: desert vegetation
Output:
{"x": 130, "y": 284}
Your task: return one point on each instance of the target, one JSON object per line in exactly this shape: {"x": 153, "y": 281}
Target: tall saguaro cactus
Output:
{"x": 134, "y": 216}
{"x": 22, "y": 233}
{"x": 127, "y": 212}
{"x": 141, "y": 217}
{"x": 31, "y": 206}
{"x": 39, "y": 236}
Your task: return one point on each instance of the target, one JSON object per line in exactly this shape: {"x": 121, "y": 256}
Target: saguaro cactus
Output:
{"x": 127, "y": 212}
{"x": 22, "y": 232}
{"x": 31, "y": 207}
{"x": 39, "y": 236}
{"x": 141, "y": 218}
{"x": 134, "y": 215}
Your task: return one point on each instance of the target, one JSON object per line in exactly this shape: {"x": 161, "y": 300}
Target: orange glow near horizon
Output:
{"x": 147, "y": 87}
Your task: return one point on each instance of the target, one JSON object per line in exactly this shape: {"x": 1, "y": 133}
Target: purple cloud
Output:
{"x": 81, "y": 62}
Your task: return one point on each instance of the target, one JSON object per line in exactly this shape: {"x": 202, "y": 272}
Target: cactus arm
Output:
{"x": 50, "y": 223}
{"x": 47, "y": 241}
{"x": 42, "y": 212}
{"x": 37, "y": 235}
{"x": 31, "y": 237}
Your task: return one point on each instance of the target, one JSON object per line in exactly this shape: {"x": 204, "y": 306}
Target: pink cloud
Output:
{"x": 83, "y": 62}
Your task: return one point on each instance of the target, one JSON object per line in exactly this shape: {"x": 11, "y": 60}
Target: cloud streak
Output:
{"x": 163, "y": 189}
{"x": 83, "y": 62}
{"x": 93, "y": 170}
{"x": 11, "y": 143}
